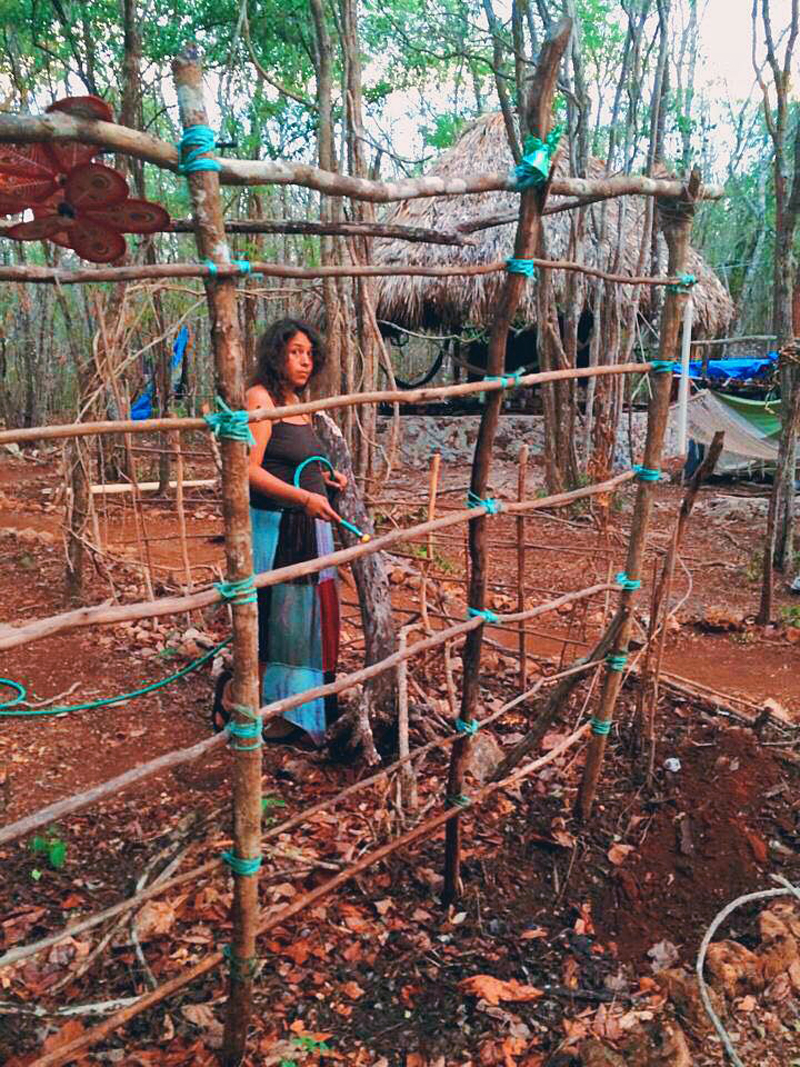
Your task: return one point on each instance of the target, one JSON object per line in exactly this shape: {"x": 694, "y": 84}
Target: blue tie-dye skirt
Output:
{"x": 298, "y": 621}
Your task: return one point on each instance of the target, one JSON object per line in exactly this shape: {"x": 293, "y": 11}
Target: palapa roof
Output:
{"x": 433, "y": 303}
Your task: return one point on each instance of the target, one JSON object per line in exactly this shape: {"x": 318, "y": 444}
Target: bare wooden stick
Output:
{"x": 523, "y": 651}
{"x": 342, "y": 228}
{"x": 68, "y": 1052}
{"x": 12, "y": 636}
{"x": 181, "y": 513}
{"x": 433, "y": 485}
{"x": 229, "y": 359}
{"x": 651, "y": 674}
{"x": 676, "y": 222}
{"x": 59, "y": 127}
{"x": 402, "y": 396}
{"x": 408, "y": 780}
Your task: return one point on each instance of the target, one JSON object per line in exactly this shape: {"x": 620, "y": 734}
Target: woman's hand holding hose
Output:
{"x": 316, "y": 506}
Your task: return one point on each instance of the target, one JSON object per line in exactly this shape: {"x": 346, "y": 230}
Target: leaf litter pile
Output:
{"x": 569, "y": 946}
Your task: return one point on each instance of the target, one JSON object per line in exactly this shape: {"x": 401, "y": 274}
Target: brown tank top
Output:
{"x": 288, "y": 446}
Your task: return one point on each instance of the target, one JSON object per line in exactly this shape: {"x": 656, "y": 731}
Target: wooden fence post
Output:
{"x": 676, "y": 221}
{"x": 537, "y": 118}
{"x": 229, "y": 363}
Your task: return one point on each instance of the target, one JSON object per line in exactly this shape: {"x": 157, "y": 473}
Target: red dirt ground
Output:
{"x": 381, "y": 960}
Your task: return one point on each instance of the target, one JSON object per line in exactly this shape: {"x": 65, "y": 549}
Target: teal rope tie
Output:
{"x": 196, "y": 142}
{"x": 615, "y": 661}
{"x": 468, "y": 728}
{"x": 459, "y": 801}
{"x": 493, "y": 507}
{"x": 521, "y": 266}
{"x": 483, "y": 613}
{"x": 509, "y": 381}
{"x": 600, "y": 727}
{"x": 246, "y": 731}
{"x": 212, "y": 267}
{"x": 646, "y": 474}
{"x": 244, "y": 265}
{"x": 241, "y": 592}
{"x": 536, "y": 160}
{"x": 242, "y": 968}
{"x": 626, "y": 582}
{"x": 684, "y": 284}
{"x": 662, "y": 366}
{"x": 234, "y": 425}
{"x": 243, "y": 867}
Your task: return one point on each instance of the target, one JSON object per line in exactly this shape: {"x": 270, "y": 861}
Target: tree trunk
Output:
{"x": 378, "y": 712}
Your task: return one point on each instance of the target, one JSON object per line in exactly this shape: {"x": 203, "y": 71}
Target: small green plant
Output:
{"x": 306, "y": 1044}
{"x": 268, "y": 803}
{"x": 790, "y": 616}
{"x": 50, "y": 845}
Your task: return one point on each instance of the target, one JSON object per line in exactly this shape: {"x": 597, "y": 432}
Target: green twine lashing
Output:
{"x": 240, "y": 592}
{"x": 246, "y": 731}
{"x": 626, "y": 582}
{"x": 684, "y": 284}
{"x": 242, "y": 968}
{"x": 662, "y": 366}
{"x": 483, "y": 613}
{"x": 468, "y": 728}
{"x": 234, "y": 425}
{"x": 244, "y": 265}
{"x": 493, "y": 507}
{"x": 600, "y": 727}
{"x": 195, "y": 143}
{"x": 615, "y": 661}
{"x": 521, "y": 266}
{"x": 509, "y": 381}
{"x": 458, "y": 801}
{"x": 212, "y": 267}
{"x": 244, "y": 867}
{"x": 537, "y": 157}
{"x": 646, "y": 474}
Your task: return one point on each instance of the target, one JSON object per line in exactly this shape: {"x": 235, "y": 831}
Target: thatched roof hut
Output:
{"x": 418, "y": 303}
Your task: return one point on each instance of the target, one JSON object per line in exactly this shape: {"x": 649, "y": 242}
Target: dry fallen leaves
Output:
{"x": 619, "y": 853}
{"x": 156, "y": 917}
{"x": 493, "y": 990}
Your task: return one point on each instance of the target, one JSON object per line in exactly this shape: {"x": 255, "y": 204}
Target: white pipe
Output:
{"x": 683, "y": 385}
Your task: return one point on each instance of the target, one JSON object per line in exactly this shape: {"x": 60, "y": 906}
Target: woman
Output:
{"x": 298, "y": 621}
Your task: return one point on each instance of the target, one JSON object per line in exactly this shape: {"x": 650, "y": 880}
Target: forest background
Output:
{"x": 377, "y": 89}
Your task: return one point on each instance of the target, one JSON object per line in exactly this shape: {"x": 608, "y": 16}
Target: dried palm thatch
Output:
{"x": 453, "y": 303}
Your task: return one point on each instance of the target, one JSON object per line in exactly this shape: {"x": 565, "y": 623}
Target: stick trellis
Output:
{"x": 676, "y": 201}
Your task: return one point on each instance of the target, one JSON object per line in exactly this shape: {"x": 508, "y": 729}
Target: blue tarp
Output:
{"x": 737, "y": 370}
{"x": 142, "y": 407}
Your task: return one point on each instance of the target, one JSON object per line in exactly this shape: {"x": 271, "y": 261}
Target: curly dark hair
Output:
{"x": 270, "y": 368}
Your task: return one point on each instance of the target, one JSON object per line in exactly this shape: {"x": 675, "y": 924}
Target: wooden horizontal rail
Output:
{"x": 68, "y": 1052}
{"x": 164, "y": 271}
{"x": 69, "y": 805}
{"x": 106, "y": 614}
{"x": 60, "y": 127}
{"x": 425, "y": 395}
